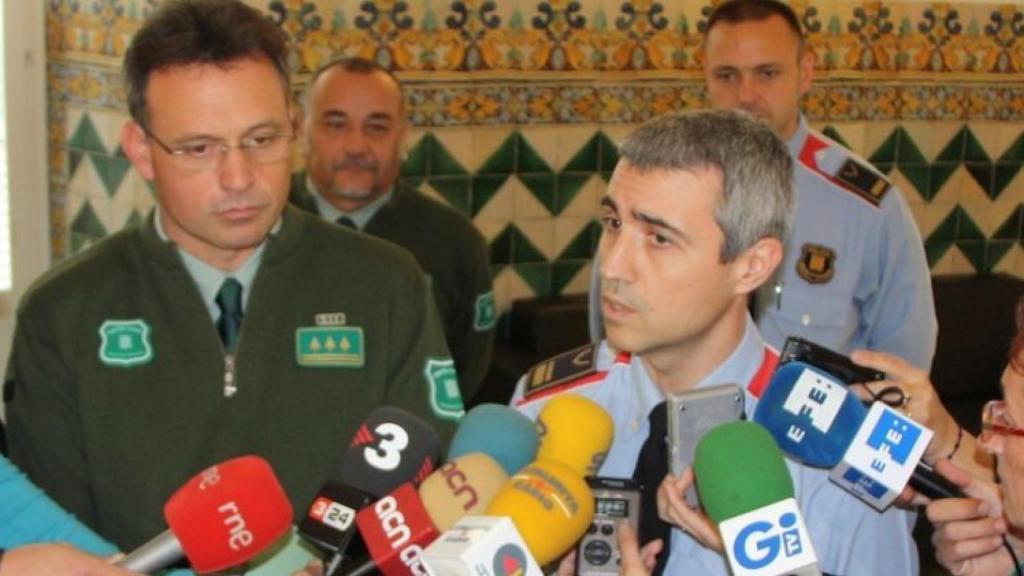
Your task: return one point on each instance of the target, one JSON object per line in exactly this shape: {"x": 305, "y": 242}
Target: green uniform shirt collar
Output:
{"x": 209, "y": 278}
{"x": 360, "y": 217}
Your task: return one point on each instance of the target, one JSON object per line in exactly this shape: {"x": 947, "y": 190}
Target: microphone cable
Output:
{"x": 1013, "y": 556}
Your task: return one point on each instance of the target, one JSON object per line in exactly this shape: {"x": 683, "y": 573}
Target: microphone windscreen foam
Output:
{"x": 391, "y": 447}
{"x": 811, "y": 415}
{"x": 575, "y": 431}
{"x": 738, "y": 468}
{"x": 551, "y": 506}
{"x": 501, "y": 432}
{"x": 463, "y": 486}
{"x": 228, "y": 513}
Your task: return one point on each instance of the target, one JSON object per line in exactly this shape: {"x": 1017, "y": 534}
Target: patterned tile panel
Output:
{"x": 517, "y": 107}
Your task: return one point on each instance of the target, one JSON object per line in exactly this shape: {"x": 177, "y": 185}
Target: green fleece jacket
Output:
{"x": 454, "y": 254}
{"x": 117, "y": 377}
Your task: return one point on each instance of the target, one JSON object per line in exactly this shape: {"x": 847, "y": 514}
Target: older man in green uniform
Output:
{"x": 355, "y": 128}
{"x": 225, "y": 323}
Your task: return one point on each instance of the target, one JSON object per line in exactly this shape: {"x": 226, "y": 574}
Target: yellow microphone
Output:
{"x": 551, "y": 506}
{"x": 463, "y": 486}
{"x": 575, "y": 431}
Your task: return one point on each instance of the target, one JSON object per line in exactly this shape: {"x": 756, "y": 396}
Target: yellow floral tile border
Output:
{"x": 563, "y": 36}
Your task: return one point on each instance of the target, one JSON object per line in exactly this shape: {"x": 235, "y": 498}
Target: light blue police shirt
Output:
{"x": 849, "y": 537}
{"x": 878, "y": 293}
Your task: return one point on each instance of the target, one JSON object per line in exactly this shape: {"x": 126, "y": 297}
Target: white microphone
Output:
{"x": 480, "y": 546}
{"x": 882, "y": 457}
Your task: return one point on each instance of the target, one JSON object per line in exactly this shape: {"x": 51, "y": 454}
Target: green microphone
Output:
{"x": 745, "y": 488}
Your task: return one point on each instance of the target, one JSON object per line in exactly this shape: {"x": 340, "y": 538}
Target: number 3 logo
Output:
{"x": 387, "y": 454}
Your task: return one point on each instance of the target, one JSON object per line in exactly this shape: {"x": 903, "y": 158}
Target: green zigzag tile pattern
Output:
{"x": 964, "y": 149}
{"x": 86, "y": 227}
{"x": 429, "y": 163}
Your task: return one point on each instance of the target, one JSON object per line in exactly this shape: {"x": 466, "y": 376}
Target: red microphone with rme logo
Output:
{"x": 222, "y": 517}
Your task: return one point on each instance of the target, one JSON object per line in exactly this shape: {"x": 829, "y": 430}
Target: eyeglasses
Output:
{"x": 206, "y": 155}
{"x": 995, "y": 421}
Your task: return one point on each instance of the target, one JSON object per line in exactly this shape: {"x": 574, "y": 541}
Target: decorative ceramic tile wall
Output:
{"x": 517, "y": 107}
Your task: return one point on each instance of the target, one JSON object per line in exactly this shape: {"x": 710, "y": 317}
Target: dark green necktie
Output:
{"x": 229, "y": 300}
{"x": 347, "y": 222}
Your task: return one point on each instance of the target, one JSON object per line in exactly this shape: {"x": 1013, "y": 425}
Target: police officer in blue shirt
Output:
{"x": 694, "y": 221}
{"x": 855, "y": 273}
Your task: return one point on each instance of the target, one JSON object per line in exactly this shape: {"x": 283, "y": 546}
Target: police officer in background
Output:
{"x": 694, "y": 221}
{"x": 354, "y": 132}
{"x": 855, "y": 273}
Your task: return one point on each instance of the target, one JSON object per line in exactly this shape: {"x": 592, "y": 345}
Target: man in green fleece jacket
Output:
{"x": 354, "y": 130}
{"x": 224, "y": 324}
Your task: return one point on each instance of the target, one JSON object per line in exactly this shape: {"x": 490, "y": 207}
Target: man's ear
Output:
{"x": 136, "y": 147}
{"x": 806, "y": 70}
{"x": 757, "y": 264}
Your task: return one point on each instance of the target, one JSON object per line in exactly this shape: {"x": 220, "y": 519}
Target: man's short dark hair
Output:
{"x": 186, "y": 32}
{"x": 736, "y": 11}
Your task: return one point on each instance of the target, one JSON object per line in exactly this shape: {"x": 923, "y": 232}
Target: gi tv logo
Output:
{"x": 769, "y": 541}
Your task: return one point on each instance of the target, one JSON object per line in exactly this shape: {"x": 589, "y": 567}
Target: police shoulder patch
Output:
{"x": 862, "y": 180}
{"x": 845, "y": 171}
{"x": 562, "y": 371}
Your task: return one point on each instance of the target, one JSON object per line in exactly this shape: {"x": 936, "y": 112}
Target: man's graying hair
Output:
{"x": 756, "y": 169}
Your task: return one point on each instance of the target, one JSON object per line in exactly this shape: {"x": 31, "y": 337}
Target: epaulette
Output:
{"x": 566, "y": 370}
{"x": 853, "y": 175}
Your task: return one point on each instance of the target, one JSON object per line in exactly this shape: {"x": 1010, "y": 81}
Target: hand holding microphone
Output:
{"x": 673, "y": 508}
{"x": 222, "y": 517}
{"x": 746, "y": 490}
{"x": 872, "y": 453}
{"x": 969, "y": 532}
{"x": 922, "y": 403}
{"x": 48, "y": 559}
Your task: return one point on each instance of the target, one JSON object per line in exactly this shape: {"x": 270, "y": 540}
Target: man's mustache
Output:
{"x": 360, "y": 162}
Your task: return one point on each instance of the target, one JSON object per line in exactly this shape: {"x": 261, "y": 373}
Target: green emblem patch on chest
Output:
{"x": 445, "y": 396}
{"x": 330, "y": 347}
{"x": 125, "y": 343}
{"x": 484, "y": 313}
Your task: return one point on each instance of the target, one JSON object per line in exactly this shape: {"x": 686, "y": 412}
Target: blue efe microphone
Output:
{"x": 872, "y": 453}
{"x": 812, "y": 416}
{"x": 501, "y": 432}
